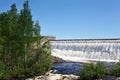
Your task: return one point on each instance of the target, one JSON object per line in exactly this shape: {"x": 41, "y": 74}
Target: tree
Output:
{"x": 4, "y": 52}
{"x": 26, "y": 26}
{"x": 23, "y": 51}
{"x": 12, "y": 14}
{"x": 36, "y": 29}
{"x": 4, "y": 33}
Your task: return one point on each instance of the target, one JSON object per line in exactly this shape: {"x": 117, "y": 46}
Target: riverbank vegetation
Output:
{"x": 93, "y": 71}
{"x": 116, "y": 70}
{"x": 23, "y": 51}
{"x": 99, "y": 71}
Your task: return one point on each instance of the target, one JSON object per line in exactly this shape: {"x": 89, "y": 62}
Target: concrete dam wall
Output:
{"x": 87, "y": 49}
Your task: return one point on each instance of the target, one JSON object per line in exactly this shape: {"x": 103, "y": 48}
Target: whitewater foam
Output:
{"x": 87, "y": 50}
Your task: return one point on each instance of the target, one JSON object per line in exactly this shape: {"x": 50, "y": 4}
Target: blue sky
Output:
{"x": 74, "y": 19}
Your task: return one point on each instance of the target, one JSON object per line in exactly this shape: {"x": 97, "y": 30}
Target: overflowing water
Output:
{"x": 87, "y": 50}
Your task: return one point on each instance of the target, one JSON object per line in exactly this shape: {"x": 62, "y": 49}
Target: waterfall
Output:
{"x": 90, "y": 50}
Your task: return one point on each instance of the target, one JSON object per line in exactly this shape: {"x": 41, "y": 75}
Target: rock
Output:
{"x": 57, "y": 60}
{"x": 29, "y": 79}
{"x": 69, "y": 77}
{"x": 100, "y": 79}
{"x": 52, "y": 76}
{"x": 117, "y": 78}
{"x": 50, "y": 72}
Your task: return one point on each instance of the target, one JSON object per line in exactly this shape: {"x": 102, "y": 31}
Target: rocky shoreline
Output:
{"x": 64, "y": 70}
{"x": 51, "y": 75}
{"x": 54, "y": 74}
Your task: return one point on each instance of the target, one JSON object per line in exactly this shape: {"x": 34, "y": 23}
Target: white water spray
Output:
{"x": 87, "y": 50}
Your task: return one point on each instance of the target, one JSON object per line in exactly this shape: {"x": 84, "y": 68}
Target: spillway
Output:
{"x": 87, "y": 49}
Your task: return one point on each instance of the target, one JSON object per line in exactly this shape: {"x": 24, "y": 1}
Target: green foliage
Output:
{"x": 88, "y": 72}
{"x": 23, "y": 51}
{"x": 4, "y": 71}
{"x": 93, "y": 71}
{"x": 116, "y": 70}
{"x": 100, "y": 70}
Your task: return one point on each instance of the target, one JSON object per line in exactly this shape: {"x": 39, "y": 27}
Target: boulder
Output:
{"x": 57, "y": 59}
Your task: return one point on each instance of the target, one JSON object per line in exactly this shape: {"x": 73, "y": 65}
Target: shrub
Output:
{"x": 116, "y": 70}
{"x": 93, "y": 71}
{"x": 4, "y": 72}
{"x": 87, "y": 72}
{"x": 101, "y": 71}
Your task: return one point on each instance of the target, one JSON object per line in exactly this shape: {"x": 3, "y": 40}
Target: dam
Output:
{"x": 87, "y": 49}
